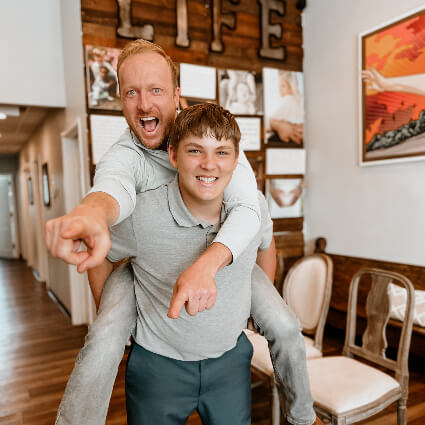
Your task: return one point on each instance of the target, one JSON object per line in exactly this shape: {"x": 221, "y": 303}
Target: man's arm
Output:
{"x": 88, "y": 222}
{"x": 195, "y": 288}
{"x": 111, "y": 200}
{"x": 97, "y": 278}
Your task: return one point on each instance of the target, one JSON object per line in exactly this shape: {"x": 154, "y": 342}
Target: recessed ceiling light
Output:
{"x": 3, "y": 116}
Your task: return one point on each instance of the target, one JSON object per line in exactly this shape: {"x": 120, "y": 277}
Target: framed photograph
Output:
{"x": 284, "y": 197}
{"x": 392, "y": 91}
{"x": 285, "y": 161}
{"x": 241, "y": 92}
{"x": 30, "y": 191}
{"x": 46, "y": 184}
{"x": 283, "y": 108}
{"x": 105, "y": 131}
{"x": 198, "y": 81}
{"x": 250, "y": 128}
{"x": 102, "y": 80}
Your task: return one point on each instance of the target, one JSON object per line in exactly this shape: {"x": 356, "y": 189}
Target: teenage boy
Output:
{"x": 197, "y": 362}
{"x": 136, "y": 163}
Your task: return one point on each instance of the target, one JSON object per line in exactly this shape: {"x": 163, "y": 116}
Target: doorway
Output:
{"x": 8, "y": 218}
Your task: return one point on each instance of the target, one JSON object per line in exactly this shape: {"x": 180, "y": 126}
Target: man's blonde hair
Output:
{"x": 142, "y": 46}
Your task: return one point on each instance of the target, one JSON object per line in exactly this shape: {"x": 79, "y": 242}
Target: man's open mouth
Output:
{"x": 149, "y": 123}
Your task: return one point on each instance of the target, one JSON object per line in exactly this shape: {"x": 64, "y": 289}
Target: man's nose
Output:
{"x": 144, "y": 104}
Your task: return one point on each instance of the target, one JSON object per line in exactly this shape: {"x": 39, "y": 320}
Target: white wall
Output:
{"x": 375, "y": 212}
{"x": 31, "y": 53}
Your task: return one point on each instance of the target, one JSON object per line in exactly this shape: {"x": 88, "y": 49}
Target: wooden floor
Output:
{"x": 38, "y": 347}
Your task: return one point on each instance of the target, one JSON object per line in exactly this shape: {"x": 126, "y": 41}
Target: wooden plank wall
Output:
{"x": 100, "y": 22}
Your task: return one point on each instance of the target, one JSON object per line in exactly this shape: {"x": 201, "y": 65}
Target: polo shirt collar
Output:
{"x": 179, "y": 211}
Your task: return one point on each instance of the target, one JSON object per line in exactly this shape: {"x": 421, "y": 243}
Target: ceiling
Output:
{"x": 15, "y": 131}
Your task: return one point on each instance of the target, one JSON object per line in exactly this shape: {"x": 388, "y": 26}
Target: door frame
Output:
{"x": 83, "y": 309}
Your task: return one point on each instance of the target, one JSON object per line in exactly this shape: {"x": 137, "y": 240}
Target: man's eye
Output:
{"x": 156, "y": 90}
{"x": 131, "y": 92}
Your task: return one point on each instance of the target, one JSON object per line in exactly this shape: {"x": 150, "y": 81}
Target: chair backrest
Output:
{"x": 307, "y": 290}
{"x": 374, "y": 342}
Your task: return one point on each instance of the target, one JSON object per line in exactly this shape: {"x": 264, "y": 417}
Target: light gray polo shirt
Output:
{"x": 129, "y": 168}
{"x": 163, "y": 239}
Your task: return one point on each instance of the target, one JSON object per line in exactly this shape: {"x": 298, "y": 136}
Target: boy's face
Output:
{"x": 148, "y": 97}
{"x": 205, "y": 166}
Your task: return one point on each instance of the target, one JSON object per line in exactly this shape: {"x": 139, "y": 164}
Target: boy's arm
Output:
{"x": 266, "y": 259}
{"x": 97, "y": 278}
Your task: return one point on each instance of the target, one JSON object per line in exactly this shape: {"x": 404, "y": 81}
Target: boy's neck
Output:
{"x": 206, "y": 211}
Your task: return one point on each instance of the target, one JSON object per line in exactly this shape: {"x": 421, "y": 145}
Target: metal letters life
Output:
{"x": 128, "y": 30}
{"x": 268, "y": 30}
{"x": 182, "y": 39}
{"x": 219, "y": 19}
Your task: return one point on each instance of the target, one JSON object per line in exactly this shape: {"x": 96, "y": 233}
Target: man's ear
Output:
{"x": 172, "y": 155}
{"x": 177, "y": 97}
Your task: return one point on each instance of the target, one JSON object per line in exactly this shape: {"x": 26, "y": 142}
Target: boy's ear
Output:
{"x": 172, "y": 155}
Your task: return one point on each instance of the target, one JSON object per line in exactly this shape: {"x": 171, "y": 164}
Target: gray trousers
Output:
{"x": 88, "y": 392}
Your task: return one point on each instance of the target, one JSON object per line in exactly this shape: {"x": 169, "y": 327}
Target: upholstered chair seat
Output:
{"x": 341, "y": 385}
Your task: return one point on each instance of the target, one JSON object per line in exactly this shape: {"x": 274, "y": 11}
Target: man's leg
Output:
{"x": 225, "y": 396}
{"x": 89, "y": 389}
{"x": 160, "y": 390}
{"x": 275, "y": 320}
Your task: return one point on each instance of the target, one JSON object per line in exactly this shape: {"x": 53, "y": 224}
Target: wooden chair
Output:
{"x": 307, "y": 290}
{"x": 346, "y": 390}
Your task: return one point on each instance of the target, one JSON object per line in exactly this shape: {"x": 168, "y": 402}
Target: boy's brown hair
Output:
{"x": 206, "y": 119}
{"x": 142, "y": 46}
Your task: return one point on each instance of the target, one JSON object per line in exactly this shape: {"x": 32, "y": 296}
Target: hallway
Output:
{"x": 38, "y": 347}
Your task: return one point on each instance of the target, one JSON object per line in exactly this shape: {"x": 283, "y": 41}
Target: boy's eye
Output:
{"x": 222, "y": 153}
{"x": 194, "y": 151}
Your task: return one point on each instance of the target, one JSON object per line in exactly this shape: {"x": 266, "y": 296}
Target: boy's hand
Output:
{"x": 65, "y": 234}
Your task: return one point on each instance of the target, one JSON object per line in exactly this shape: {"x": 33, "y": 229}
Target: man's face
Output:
{"x": 205, "y": 166}
{"x": 148, "y": 97}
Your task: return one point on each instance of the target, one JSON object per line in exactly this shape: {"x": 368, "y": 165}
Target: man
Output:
{"x": 149, "y": 93}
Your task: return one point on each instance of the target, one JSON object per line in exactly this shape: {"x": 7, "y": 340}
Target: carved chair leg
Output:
{"x": 401, "y": 411}
{"x": 275, "y": 405}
